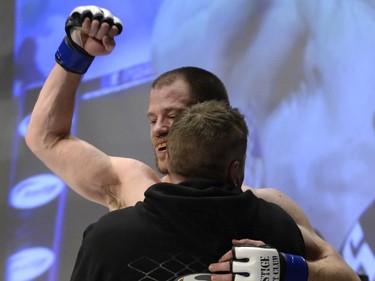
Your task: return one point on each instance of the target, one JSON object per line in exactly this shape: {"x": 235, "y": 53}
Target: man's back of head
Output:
{"x": 206, "y": 139}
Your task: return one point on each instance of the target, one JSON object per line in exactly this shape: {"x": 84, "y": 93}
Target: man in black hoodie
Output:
{"x": 183, "y": 226}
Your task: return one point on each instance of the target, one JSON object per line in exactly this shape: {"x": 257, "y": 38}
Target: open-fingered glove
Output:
{"x": 71, "y": 54}
{"x": 267, "y": 264}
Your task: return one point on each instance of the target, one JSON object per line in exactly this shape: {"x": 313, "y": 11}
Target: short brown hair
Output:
{"x": 204, "y": 85}
{"x": 205, "y": 138}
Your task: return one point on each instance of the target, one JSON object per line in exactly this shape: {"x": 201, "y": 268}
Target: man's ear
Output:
{"x": 236, "y": 173}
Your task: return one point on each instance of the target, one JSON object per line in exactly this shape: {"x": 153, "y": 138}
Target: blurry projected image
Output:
{"x": 301, "y": 72}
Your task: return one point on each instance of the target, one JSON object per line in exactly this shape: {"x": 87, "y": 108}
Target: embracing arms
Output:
{"x": 323, "y": 261}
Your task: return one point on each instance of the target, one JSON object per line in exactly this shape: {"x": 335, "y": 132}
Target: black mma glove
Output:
{"x": 70, "y": 54}
{"x": 266, "y": 263}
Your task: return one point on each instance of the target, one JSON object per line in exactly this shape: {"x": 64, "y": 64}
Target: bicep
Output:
{"x": 83, "y": 167}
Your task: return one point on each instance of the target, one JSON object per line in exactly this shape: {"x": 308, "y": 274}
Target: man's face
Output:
{"x": 165, "y": 104}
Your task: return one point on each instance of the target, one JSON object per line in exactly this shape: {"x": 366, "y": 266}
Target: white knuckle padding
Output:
{"x": 106, "y": 13}
{"x": 114, "y": 20}
{"x": 78, "y": 10}
{"x": 117, "y": 21}
{"x": 98, "y": 13}
{"x": 95, "y": 10}
{"x": 255, "y": 264}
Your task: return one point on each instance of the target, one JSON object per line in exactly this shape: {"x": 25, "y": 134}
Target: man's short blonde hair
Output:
{"x": 205, "y": 139}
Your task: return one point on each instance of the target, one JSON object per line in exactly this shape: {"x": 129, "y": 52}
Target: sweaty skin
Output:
{"x": 118, "y": 182}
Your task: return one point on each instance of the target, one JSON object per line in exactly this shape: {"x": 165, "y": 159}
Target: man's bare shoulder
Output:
{"x": 266, "y": 193}
{"x": 279, "y": 198}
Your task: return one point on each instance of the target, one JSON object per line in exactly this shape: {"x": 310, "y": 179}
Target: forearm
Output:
{"x": 324, "y": 263}
{"x": 53, "y": 112}
{"x": 332, "y": 267}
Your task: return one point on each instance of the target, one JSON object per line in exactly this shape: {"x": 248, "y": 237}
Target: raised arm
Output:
{"x": 87, "y": 170}
{"x": 49, "y": 138}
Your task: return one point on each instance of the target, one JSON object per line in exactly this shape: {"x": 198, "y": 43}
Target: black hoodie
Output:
{"x": 180, "y": 229}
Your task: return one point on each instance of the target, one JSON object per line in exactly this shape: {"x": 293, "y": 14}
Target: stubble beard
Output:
{"x": 160, "y": 165}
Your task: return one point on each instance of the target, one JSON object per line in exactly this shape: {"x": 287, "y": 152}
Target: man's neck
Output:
{"x": 173, "y": 178}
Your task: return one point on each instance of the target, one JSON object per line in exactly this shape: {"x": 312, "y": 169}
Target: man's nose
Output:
{"x": 161, "y": 128}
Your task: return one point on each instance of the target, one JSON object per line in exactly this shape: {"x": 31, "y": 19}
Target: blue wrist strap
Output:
{"x": 71, "y": 59}
{"x": 296, "y": 268}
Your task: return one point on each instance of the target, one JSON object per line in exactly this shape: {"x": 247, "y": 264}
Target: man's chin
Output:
{"x": 162, "y": 167}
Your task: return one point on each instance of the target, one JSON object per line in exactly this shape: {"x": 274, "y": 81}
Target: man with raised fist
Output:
{"x": 118, "y": 182}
